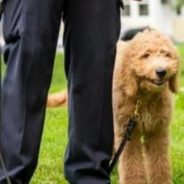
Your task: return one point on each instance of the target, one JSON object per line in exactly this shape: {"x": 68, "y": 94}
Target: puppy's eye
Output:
{"x": 145, "y": 55}
{"x": 166, "y": 53}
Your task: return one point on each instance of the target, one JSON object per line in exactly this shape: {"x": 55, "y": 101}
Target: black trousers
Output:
{"x": 31, "y": 30}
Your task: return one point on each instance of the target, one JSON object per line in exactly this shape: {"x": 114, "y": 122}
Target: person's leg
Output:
{"x": 31, "y": 29}
{"x": 91, "y": 32}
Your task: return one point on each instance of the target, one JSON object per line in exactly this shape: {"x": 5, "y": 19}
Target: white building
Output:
{"x": 159, "y": 14}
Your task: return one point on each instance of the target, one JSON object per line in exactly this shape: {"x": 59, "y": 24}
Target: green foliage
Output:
{"x": 179, "y": 3}
{"x": 50, "y": 167}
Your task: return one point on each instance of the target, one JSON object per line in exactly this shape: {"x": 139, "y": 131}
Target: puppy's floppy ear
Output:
{"x": 129, "y": 80}
{"x": 124, "y": 77}
{"x": 173, "y": 83}
{"x": 174, "y": 80}
{"x": 130, "y": 85}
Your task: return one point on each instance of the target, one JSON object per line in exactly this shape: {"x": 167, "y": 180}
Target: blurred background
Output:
{"x": 166, "y": 16}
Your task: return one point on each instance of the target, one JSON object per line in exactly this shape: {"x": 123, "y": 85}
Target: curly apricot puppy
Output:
{"x": 146, "y": 71}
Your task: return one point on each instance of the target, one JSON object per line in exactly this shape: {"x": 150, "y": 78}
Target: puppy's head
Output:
{"x": 153, "y": 61}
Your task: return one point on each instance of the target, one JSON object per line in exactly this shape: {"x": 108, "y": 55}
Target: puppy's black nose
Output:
{"x": 161, "y": 72}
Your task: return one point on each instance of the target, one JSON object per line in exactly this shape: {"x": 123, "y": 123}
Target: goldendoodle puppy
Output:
{"x": 145, "y": 77}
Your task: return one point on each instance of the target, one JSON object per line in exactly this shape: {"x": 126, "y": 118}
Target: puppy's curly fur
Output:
{"x": 58, "y": 99}
{"x": 146, "y": 71}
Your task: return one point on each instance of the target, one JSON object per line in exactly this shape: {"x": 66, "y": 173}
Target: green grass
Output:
{"x": 181, "y": 53}
{"x": 50, "y": 166}
{"x": 178, "y": 128}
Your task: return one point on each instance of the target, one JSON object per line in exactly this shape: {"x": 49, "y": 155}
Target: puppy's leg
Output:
{"x": 156, "y": 149}
{"x": 131, "y": 166}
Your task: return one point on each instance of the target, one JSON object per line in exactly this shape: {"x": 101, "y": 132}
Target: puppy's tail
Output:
{"x": 57, "y": 99}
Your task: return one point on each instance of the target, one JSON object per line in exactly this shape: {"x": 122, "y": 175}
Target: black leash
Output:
{"x": 131, "y": 125}
{"x": 126, "y": 137}
{"x": 2, "y": 4}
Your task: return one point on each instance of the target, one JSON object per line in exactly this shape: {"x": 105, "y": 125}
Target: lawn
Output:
{"x": 50, "y": 166}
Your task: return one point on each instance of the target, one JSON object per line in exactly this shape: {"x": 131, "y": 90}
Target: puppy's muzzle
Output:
{"x": 161, "y": 72}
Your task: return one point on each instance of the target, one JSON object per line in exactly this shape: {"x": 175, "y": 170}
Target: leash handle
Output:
{"x": 131, "y": 125}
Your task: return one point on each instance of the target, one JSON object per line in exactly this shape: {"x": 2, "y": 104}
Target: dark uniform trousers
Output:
{"x": 31, "y": 30}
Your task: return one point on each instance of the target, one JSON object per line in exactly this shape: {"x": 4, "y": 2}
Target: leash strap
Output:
{"x": 131, "y": 125}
